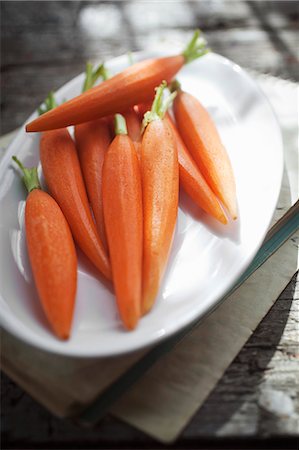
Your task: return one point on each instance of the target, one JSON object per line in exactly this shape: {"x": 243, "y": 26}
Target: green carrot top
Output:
{"x": 196, "y": 48}
{"x": 48, "y": 104}
{"x": 120, "y": 126}
{"x": 30, "y": 176}
{"x": 92, "y": 75}
{"x": 159, "y": 105}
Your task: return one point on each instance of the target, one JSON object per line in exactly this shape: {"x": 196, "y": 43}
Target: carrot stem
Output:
{"x": 88, "y": 77}
{"x": 159, "y": 106}
{"x": 30, "y": 177}
{"x": 120, "y": 124}
{"x": 48, "y": 104}
{"x": 175, "y": 85}
{"x": 130, "y": 58}
{"x": 196, "y": 48}
{"x": 91, "y": 76}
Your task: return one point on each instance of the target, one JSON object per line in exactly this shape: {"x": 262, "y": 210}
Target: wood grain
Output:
{"x": 45, "y": 44}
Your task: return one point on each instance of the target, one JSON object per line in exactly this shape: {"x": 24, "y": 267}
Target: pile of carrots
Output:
{"x": 114, "y": 190}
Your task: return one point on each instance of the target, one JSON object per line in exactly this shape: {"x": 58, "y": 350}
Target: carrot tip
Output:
{"x": 64, "y": 335}
{"x": 146, "y": 307}
{"x": 233, "y": 213}
{"x": 223, "y": 220}
{"x": 130, "y": 325}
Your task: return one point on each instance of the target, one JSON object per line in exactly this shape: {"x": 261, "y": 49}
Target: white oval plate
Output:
{"x": 206, "y": 259}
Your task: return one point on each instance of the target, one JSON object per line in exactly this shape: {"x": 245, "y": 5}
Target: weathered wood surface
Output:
{"x": 44, "y": 44}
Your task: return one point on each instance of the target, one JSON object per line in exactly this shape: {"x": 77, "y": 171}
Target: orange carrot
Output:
{"x": 92, "y": 140}
{"x": 63, "y": 176}
{"x": 132, "y": 86}
{"x": 192, "y": 180}
{"x": 134, "y": 128}
{"x": 160, "y": 186}
{"x": 52, "y": 254}
{"x": 142, "y": 108}
{"x": 122, "y": 200}
{"x": 133, "y": 125}
{"x": 203, "y": 141}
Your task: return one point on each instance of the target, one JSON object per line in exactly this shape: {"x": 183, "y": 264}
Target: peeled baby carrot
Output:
{"x": 52, "y": 254}
{"x": 134, "y": 128}
{"x": 132, "y": 86}
{"x": 63, "y": 176}
{"x": 142, "y": 108}
{"x": 122, "y": 199}
{"x": 203, "y": 141}
{"x": 133, "y": 124}
{"x": 192, "y": 180}
{"x": 92, "y": 140}
{"x": 160, "y": 188}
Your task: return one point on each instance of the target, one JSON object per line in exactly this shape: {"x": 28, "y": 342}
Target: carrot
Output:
{"x": 192, "y": 180}
{"x": 160, "y": 186}
{"x": 92, "y": 140}
{"x": 142, "y": 108}
{"x": 122, "y": 199}
{"x": 134, "y": 128}
{"x": 63, "y": 176}
{"x": 132, "y": 86}
{"x": 52, "y": 254}
{"x": 203, "y": 141}
{"x": 133, "y": 124}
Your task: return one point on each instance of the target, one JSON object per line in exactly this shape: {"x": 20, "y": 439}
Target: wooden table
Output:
{"x": 44, "y": 44}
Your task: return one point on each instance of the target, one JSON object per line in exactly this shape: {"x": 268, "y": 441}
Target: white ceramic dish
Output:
{"x": 206, "y": 258}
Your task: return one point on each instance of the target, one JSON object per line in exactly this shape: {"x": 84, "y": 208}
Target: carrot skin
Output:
{"x": 192, "y": 181}
{"x": 134, "y": 85}
{"x": 203, "y": 141}
{"x": 142, "y": 108}
{"x": 63, "y": 176}
{"x": 122, "y": 199}
{"x": 160, "y": 187}
{"x": 92, "y": 141}
{"x": 133, "y": 125}
{"x": 53, "y": 259}
{"x": 134, "y": 129}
